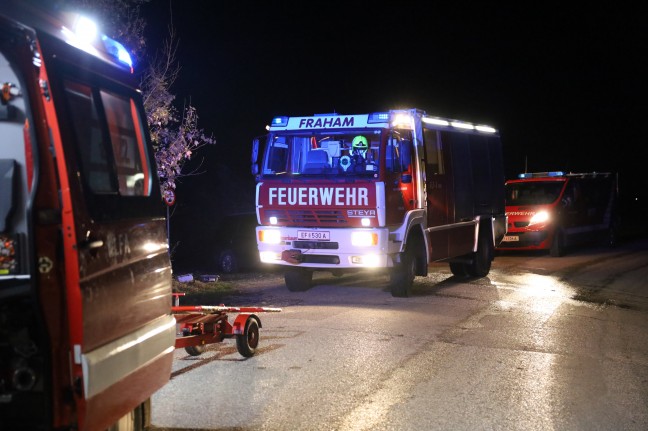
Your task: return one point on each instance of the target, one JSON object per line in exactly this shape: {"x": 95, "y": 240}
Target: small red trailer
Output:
{"x": 199, "y": 325}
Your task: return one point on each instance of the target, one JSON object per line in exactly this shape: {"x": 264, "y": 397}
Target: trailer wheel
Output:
{"x": 195, "y": 350}
{"x": 247, "y": 343}
{"x": 402, "y": 276}
{"x": 298, "y": 280}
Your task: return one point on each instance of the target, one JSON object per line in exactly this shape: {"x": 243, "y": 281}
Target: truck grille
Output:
{"x": 309, "y": 217}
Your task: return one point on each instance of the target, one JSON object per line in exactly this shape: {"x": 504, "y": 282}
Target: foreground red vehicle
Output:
{"x": 86, "y": 329}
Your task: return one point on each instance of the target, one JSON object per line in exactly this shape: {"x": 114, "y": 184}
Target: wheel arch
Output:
{"x": 416, "y": 241}
{"x": 491, "y": 223}
{"x": 240, "y": 323}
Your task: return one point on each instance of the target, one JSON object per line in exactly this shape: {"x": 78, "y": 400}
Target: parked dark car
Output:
{"x": 236, "y": 246}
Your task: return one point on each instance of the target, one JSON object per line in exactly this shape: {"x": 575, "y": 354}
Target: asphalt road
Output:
{"x": 540, "y": 344}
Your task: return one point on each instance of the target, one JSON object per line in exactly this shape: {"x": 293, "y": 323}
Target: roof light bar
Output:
{"x": 279, "y": 122}
{"x": 84, "y": 34}
{"x": 378, "y": 117}
{"x": 117, "y": 50}
{"x": 458, "y": 124}
{"x": 436, "y": 121}
{"x": 462, "y": 125}
{"x": 403, "y": 120}
{"x": 541, "y": 174}
{"x": 485, "y": 129}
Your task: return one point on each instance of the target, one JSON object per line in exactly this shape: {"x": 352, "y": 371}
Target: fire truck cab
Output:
{"x": 556, "y": 210}
{"x": 86, "y": 329}
{"x": 389, "y": 191}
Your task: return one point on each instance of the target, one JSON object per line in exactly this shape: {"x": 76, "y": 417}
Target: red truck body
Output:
{"x": 386, "y": 191}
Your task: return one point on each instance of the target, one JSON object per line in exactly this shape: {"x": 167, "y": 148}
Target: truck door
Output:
{"x": 89, "y": 303}
{"x": 436, "y": 187}
{"x": 118, "y": 275}
{"x": 401, "y": 180}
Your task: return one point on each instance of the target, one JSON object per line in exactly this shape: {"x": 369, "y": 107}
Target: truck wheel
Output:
{"x": 195, "y": 350}
{"x": 459, "y": 269}
{"x": 228, "y": 262}
{"x": 133, "y": 420}
{"x": 558, "y": 245}
{"x": 482, "y": 258}
{"x": 611, "y": 236}
{"x": 247, "y": 343}
{"x": 401, "y": 277}
{"x": 298, "y": 280}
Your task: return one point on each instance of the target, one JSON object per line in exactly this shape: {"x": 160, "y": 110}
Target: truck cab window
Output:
{"x": 120, "y": 165}
{"x": 433, "y": 152}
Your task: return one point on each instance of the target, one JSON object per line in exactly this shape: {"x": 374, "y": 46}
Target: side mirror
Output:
{"x": 255, "y": 156}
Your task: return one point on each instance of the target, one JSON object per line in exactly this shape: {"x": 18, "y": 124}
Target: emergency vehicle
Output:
{"x": 87, "y": 332}
{"x": 391, "y": 190}
{"x": 556, "y": 210}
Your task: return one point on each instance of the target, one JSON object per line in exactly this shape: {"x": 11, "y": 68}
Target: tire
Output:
{"x": 247, "y": 343}
{"x": 298, "y": 280}
{"x": 611, "y": 236}
{"x": 558, "y": 245}
{"x": 195, "y": 350}
{"x": 401, "y": 277}
{"x": 459, "y": 269}
{"x": 228, "y": 262}
{"x": 482, "y": 258}
{"x": 133, "y": 420}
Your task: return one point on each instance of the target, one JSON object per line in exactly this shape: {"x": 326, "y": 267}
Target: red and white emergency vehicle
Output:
{"x": 555, "y": 210}
{"x": 389, "y": 190}
{"x": 87, "y": 332}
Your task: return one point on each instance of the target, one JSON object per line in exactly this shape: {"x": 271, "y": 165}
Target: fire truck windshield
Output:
{"x": 533, "y": 192}
{"x": 346, "y": 153}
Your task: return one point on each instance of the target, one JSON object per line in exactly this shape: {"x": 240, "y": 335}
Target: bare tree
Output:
{"x": 175, "y": 134}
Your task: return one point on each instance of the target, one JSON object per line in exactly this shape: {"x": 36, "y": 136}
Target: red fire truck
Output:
{"x": 555, "y": 210}
{"x": 389, "y": 191}
{"x": 87, "y": 332}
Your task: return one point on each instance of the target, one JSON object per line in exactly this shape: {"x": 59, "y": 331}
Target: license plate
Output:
{"x": 511, "y": 238}
{"x": 314, "y": 235}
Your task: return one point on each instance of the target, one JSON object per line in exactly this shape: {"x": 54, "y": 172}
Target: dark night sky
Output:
{"x": 564, "y": 85}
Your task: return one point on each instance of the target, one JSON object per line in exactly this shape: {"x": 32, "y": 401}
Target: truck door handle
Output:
{"x": 90, "y": 244}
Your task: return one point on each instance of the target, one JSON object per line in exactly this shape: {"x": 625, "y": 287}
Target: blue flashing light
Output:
{"x": 279, "y": 122}
{"x": 541, "y": 174}
{"x": 378, "y": 117}
{"x": 117, "y": 51}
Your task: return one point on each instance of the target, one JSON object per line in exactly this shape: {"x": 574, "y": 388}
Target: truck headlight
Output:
{"x": 270, "y": 236}
{"x": 364, "y": 239}
{"x": 539, "y": 217}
